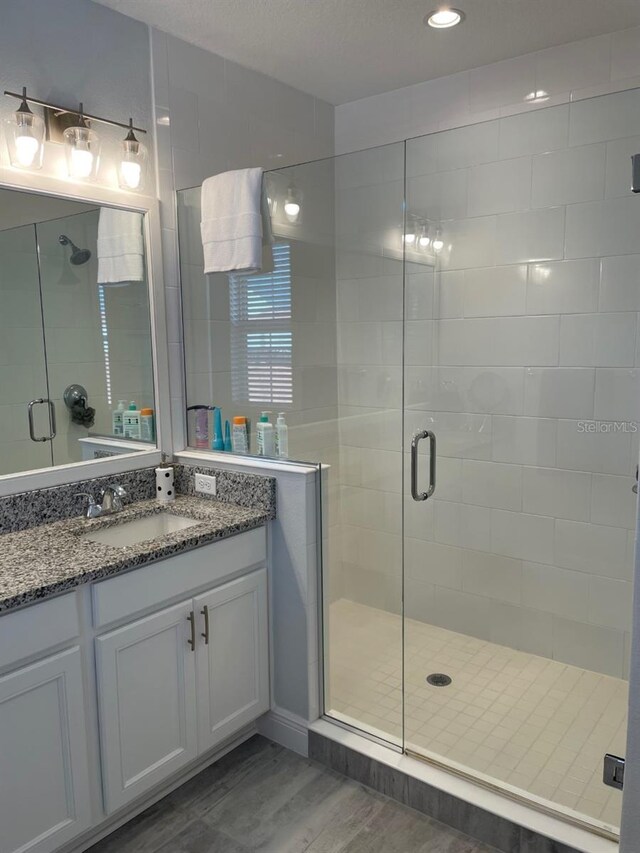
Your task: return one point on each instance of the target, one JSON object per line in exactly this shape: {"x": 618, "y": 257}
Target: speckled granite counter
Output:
{"x": 52, "y": 558}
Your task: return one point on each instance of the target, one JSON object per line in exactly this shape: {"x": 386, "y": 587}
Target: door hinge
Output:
{"x": 613, "y": 772}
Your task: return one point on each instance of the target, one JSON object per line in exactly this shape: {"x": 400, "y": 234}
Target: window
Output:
{"x": 261, "y": 337}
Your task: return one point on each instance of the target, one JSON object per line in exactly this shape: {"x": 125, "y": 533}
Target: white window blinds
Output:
{"x": 261, "y": 337}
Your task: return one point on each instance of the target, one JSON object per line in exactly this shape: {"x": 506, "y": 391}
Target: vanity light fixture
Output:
{"x": 293, "y": 203}
{"x": 82, "y": 148}
{"x": 438, "y": 243}
{"x": 133, "y": 163}
{"x": 443, "y": 18}
{"x": 25, "y": 136}
{"x": 409, "y": 236}
{"x": 424, "y": 240}
{"x": 538, "y": 96}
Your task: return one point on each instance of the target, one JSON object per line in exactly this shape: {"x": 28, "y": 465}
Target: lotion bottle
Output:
{"x": 282, "y": 437}
{"x": 266, "y": 444}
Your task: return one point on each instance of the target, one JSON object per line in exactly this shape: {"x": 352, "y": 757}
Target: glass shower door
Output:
{"x": 23, "y": 376}
{"x": 521, "y": 301}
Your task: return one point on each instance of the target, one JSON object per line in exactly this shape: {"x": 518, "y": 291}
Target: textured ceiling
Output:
{"x": 341, "y": 50}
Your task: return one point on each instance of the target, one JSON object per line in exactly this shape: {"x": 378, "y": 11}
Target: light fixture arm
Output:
{"x": 26, "y": 100}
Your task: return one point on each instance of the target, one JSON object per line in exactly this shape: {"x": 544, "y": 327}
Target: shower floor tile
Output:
{"x": 527, "y": 722}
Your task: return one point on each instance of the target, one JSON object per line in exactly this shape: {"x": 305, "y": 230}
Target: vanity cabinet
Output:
{"x": 44, "y": 777}
{"x": 174, "y": 684}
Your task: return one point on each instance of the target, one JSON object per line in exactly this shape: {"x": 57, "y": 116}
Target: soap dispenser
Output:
{"x": 266, "y": 443}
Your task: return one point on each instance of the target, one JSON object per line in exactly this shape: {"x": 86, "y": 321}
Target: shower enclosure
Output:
{"x": 462, "y": 315}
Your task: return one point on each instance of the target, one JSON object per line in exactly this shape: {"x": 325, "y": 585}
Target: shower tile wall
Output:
{"x": 520, "y": 344}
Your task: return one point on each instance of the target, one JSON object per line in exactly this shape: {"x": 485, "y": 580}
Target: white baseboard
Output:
{"x": 287, "y": 729}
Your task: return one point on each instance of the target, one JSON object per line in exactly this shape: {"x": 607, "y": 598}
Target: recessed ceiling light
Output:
{"x": 440, "y": 19}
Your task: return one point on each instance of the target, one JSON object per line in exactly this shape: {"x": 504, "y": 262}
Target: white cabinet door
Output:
{"x": 146, "y": 688}
{"x": 44, "y": 779}
{"x": 233, "y": 659}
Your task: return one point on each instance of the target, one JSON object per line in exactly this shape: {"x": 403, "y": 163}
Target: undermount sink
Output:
{"x": 140, "y": 529}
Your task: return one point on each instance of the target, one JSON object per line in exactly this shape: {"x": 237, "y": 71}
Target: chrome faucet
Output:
{"x": 111, "y": 501}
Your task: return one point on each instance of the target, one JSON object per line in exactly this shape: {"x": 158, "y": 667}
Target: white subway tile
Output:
{"x": 438, "y": 196}
{"x": 469, "y": 243}
{"x": 582, "y": 448}
{"x": 459, "y": 611}
{"x": 497, "y": 390}
{"x": 512, "y": 341}
{"x": 492, "y": 576}
{"x": 588, "y": 646}
{"x": 598, "y": 340}
{"x": 524, "y": 537}
{"x": 432, "y": 562}
{"x": 521, "y": 628}
{"x": 592, "y": 548}
{"x": 610, "y": 603}
{"x": 419, "y": 341}
{"x": 495, "y": 291}
{"x": 617, "y": 395}
{"x": 437, "y": 103}
{"x": 525, "y": 441}
{"x": 555, "y": 590}
{"x": 607, "y": 227}
{"x": 600, "y": 119}
{"x": 449, "y": 294}
{"x": 492, "y": 484}
{"x": 560, "y": 493}
{"x": 466, "y": 146}
{"x": 568, "y": 176}
{"x": 563, "y": 287}
{"x": 530, "y": 236}
{"x": 475, "y": 523}
{"x": 534, "y": 132}
{"x": 419, "y": 296}
{"x": 620, "y": 286}
{"x": 500, "y": 187}
{"x": 559, "y": 392}
{"x": 613, "y": 501}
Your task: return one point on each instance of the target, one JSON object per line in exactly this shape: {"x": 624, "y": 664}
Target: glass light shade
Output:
{"x": 25, "y": 139}
{"x": 438, "y": 242}
{"x": 424, "y": 240}
{"x": 293, "y": 204}
{"x": 82, "y": 149}
{"x": 133, "y": 164}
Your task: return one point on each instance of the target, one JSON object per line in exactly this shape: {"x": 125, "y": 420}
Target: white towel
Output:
{"x": 120, "y": 246}
{"x": 235, "y": 224}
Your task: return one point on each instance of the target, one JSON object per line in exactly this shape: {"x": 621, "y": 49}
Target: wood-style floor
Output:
{"x": 264, "y": 797}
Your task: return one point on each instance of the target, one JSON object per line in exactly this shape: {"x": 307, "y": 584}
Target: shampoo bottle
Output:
{"x": 132, "y": 424}
{"x": 147, "y": 425}
{"x": 266, "y": 444}
{"x": 118, "y": 419}
{"x": 239, "y": 436}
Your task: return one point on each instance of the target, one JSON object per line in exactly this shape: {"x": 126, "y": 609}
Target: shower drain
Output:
{"x": 438, "y": 679}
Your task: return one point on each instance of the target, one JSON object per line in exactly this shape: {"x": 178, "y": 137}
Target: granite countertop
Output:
{"x": 52, "y": 558}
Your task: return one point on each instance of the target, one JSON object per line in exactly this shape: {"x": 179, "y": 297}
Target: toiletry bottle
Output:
{"x": 218, "y": 438}
{"x": 200, "y": 434}
{"x": 132, "y": 421}
{"x": 239, "y": 437}
{"x": 282, "y": 437}
{"x": 266, "y": 444}
{"x": 117, "y": 419}
{"x": 227, "y": 437}
{"x": 147, "y": 426}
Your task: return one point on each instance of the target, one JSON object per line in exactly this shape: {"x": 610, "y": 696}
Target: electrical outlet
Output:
{"x": 206, "y": 484}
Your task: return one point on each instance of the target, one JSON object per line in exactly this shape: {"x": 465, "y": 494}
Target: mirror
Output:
{"x": 75, "y": 333}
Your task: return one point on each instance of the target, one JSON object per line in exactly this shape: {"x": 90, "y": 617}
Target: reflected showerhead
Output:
{"x": 78, "y": 256}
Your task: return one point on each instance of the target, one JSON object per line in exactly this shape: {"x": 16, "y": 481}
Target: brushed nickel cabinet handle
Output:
{"x": 192, "y": 640}
{"x": 205, "y": 613}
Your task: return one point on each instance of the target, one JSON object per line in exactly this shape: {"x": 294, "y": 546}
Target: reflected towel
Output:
{"x": 120, "y": 246}
{"x": 235, "y": 225}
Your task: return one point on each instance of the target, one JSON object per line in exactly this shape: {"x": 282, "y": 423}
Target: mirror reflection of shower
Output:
{"x": 78, "y": 256}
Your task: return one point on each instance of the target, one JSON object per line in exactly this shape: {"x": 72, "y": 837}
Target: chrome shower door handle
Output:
{"x": 52, "y": 420}
{"x": 415, "y": 441}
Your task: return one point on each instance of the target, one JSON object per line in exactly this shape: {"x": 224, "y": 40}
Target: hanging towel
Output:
{"x": 120, "y": 246}
{"x": 236, "y": 226}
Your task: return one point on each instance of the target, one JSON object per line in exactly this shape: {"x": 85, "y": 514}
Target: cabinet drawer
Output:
{"x": 159, "y": 582}
{"x": 37, "y": 628}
